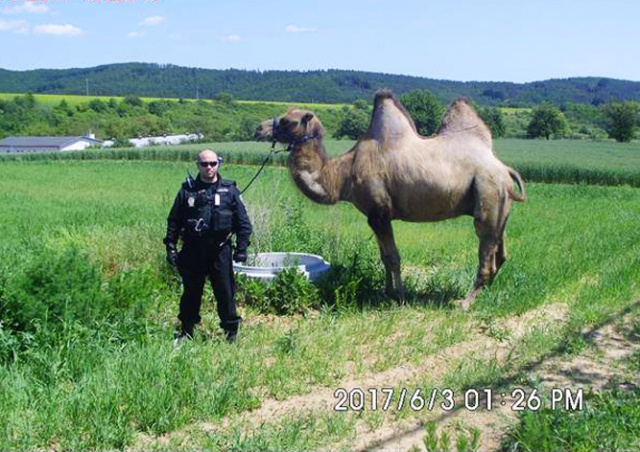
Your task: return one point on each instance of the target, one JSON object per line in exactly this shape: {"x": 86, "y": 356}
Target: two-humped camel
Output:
{"x": 393, "y": 173}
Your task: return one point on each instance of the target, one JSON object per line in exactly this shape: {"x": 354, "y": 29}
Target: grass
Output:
{"x": 607, "y": 423}
{"x": 97, "y": 384}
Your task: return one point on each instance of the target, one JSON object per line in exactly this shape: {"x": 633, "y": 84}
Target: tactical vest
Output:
{"x": 209, "y": 211}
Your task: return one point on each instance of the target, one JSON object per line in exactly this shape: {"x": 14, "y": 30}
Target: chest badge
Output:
{"x": 191, "y": 201}
{"x": 216, "y": 199}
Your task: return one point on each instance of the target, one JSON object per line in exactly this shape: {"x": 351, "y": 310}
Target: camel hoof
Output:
{"x": 394, "y": 295}
{"x": 464, "y": 305}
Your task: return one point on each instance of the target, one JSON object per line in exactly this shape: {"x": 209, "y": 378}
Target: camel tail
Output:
{"x": 522, "y": 196}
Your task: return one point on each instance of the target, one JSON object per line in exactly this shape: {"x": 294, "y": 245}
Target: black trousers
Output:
{"x": 199, "y": 262}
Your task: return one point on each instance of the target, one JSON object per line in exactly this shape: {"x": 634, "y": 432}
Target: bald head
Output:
{"x": 208, "y": 166}
{"x": 207, "y": 156}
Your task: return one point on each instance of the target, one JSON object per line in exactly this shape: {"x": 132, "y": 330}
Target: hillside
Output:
{"x": 326, "y": 86}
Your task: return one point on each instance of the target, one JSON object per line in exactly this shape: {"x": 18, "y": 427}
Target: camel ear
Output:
{"x": 307, "y": 117}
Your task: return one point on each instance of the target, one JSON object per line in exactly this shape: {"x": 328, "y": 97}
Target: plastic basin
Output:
{"x": 265, "y": 266}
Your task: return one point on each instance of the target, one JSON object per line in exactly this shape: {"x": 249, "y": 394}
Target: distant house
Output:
{"x": 159, "y": 141}
{"x": 46, "y": 144}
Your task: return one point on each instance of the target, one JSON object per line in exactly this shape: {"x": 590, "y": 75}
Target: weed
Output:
{"x": 288, "y": 293}
{"x": 467, "y": 440}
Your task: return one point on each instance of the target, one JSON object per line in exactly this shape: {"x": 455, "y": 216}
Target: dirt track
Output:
{"x": 596, "y": 368}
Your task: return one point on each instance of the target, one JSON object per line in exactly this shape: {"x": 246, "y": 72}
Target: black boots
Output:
{"x": 230, "y": 328}
{"x": 185, "y": 334}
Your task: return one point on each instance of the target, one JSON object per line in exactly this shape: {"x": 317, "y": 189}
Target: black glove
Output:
{"x": 172, "y": 255}
{"x": 240, "y": 256}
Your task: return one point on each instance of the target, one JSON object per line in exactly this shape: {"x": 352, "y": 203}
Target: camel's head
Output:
{"x": 295, "y": 126}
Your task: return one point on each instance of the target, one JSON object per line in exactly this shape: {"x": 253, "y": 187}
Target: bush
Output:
{"x": 356, "y": 281}
{"x": 288, "y": 293}
{"x": 60, "y": 298}
{"x": 56, "y": 287}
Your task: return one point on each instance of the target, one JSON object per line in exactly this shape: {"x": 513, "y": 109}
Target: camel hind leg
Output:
{"x": 390, "y": 256}
{"x": 489, "y": 225}
{"x": 501, "y": 254}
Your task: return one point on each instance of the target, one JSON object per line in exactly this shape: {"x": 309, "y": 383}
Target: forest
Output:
{"x": 317, "y": 86}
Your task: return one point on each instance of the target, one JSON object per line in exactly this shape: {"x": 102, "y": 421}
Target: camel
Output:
{"x": 394, "y": 173}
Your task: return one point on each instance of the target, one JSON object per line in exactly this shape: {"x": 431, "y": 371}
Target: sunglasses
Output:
{"x": 211, "y": 164}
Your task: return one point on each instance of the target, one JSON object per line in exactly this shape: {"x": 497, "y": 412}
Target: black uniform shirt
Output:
{"x": 207, "y": 213}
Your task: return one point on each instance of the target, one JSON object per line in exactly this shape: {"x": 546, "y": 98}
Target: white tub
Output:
{"x": 265, "y": 266}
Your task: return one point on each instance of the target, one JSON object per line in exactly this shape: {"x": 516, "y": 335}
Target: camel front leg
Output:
{"x": 390, "y": 256}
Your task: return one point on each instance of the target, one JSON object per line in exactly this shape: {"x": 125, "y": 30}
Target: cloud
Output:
{"x": 151, "y": 21}
{"x": 27, "y": 7}
{"x": 231, "y": 38}
{"x": 297, "y": 29}
{"x": 58, "y": 30}
{"x": 16, "y": 26}
{"x": 136, "y": 34}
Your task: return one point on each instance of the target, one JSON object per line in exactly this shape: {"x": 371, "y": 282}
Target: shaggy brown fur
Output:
{"x": 393, "y": 173}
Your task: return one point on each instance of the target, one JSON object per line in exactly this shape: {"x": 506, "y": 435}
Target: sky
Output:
{"x": 465, "y": 40}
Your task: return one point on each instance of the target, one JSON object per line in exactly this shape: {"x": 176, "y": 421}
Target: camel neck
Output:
{"x": 318, "y": 177}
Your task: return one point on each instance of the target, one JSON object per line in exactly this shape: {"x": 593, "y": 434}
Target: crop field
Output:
{"x": 88, "y": 309}
{"x": 52, "y": 100}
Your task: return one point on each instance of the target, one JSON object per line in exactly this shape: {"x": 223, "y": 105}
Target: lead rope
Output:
{"x": 272, "y": 153}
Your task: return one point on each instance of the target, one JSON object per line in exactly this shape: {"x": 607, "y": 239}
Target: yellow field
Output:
{"x": 73, "y": 100}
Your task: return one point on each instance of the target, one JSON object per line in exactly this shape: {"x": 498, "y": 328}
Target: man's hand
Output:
{"x": 240, "y": 256}
{"x": 172, "y": 255}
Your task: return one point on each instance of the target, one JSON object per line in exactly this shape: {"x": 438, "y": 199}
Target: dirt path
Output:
{"x": 599, "y": 367}
{"x": 593, "y": 369}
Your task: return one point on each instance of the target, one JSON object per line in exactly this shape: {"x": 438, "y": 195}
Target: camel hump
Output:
{"x": 462, "y": 117}
{"x": 382, "y": 94}
{"x": 390, "y": 119}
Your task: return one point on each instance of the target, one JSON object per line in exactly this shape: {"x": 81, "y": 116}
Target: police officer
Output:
{"x": 205, "y": 214}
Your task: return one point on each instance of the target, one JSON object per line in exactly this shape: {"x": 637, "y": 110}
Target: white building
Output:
{"x": 46, "y": 144}
{"x": 159, "y": 141}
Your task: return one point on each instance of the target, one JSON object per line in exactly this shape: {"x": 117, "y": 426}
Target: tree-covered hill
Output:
{"x": 325, "y": 86}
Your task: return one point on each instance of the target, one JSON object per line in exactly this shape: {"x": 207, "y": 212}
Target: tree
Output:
{"x": 621, "y": 120}
{"x": 97, "y": 105}
{"x": 245, "y": 130}
{"x": 361, "y": 104}
{"x": 426, "y": 110}
{"x": 492, "y": 116}
{"x": 547, "y": 120}
{"x": 224, "y": 98}
{"x": 354, "y": 123}
{"x": 159, "y": 107}
{"x": 134, "y": 101}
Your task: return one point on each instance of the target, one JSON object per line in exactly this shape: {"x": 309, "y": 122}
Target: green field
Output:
{"x": 88, "y": 305}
